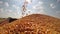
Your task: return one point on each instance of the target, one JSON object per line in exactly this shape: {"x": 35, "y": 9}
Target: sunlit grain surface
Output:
{"x": 32, "y": 24}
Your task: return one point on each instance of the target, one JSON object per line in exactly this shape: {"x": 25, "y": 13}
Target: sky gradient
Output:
{"x": 13, "y": 8}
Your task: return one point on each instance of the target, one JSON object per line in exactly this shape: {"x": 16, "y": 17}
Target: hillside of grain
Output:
{"x": 33, "y": 24}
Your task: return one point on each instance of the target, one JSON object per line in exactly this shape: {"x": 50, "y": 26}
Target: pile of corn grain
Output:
{"x": 32, "y": 24}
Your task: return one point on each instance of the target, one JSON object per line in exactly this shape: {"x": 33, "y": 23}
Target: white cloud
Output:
{"x": 1, "y": 10}
{"x": 41, "y": 12}
{"x": 16, "y": 7}
{"x": 18, "y": 12}
{"x": 17, "y": 0}
{"x": 34, "y": 7}
{"x": 38, "y": 7}
{"x": 40, "y": 2}
{"x": 58, "y": 0}
{"x": 58, "y": 12}
{"x": 29, "y": 1}
{"x": 28, "y": 11}
{"x": 1, "y": 2}
{"x": 52, "y": 5}
{"x": 8, "y": 10}
{"x": 6, "y": 4}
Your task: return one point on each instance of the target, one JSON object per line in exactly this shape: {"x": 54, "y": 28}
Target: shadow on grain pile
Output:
{"x": 33, "y": 24}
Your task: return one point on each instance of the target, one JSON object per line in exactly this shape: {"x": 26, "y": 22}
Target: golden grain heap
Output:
{"x": 32, "y": 24}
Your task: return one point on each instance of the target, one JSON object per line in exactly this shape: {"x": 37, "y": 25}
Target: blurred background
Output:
{"x": 13, "y": 8}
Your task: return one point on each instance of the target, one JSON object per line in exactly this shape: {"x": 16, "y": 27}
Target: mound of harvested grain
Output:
{"x": 32, "y": 24}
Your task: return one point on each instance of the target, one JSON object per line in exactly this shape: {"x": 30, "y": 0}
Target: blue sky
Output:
{"x": 13, "y": 8}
